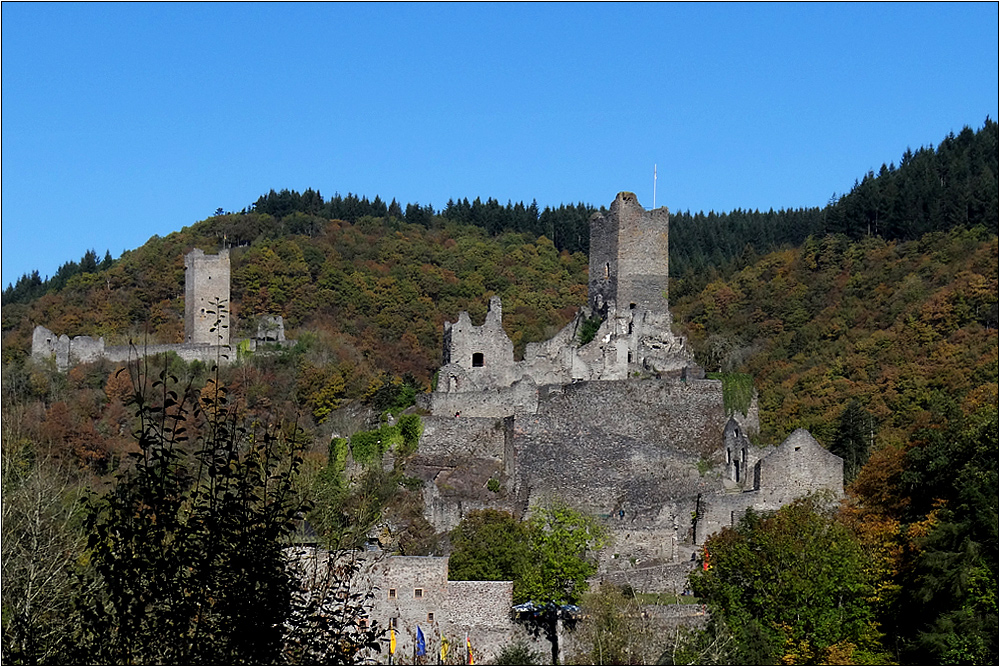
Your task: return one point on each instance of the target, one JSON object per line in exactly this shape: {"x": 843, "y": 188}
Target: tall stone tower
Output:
{"x": 628, "y": 258}
{"x": 206, "y": 285}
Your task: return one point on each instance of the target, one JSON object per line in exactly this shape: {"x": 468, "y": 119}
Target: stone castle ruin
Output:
{"x": 611, "y": 416}
{"x": 624, "y": 426}
{"x": 206, "y": 287}
{"x": 206, "y": 323}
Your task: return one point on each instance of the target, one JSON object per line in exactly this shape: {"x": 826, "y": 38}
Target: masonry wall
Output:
{"x": 450, "y": 609}
{"x": 484, "y": 437}
{"x": 686, "y": 415}
{"x": 520, "y": 397}
{"x": 457, "y": 459}
{"x": 800, "y": 465}
{"x": 602, "y": 283}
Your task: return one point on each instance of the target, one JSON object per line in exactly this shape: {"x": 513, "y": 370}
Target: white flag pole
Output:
{"x": 654, "y": 185}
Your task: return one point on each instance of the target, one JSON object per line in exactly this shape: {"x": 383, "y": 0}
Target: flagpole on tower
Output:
{"x": 654, "y": 185}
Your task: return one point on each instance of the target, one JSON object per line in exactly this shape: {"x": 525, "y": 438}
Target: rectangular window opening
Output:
{"x": 430, "y": 617}
{"x": 418, "y": 593}
{"x": 477, "y": 359}
{"x": 392, "y": 593}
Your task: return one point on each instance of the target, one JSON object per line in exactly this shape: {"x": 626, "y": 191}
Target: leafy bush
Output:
{"x": 519, "y": 653}
{"x": 186, "y": 561}
{"x": 589, "y": 329}
{"x": 737, "y": 391}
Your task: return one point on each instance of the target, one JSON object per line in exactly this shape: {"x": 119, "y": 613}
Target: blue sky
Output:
{"x": 124, "y": 121}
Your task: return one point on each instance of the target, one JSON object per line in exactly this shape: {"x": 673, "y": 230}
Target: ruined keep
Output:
{"x": 206, "y": 298}
{"x": 624, "y": 426}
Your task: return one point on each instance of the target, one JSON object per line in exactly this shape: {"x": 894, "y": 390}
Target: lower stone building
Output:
{"x": 413, "y": 592}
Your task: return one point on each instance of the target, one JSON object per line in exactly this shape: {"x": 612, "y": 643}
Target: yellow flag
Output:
{"x": 444, "y": 649}
{"x": 392, "y": 641}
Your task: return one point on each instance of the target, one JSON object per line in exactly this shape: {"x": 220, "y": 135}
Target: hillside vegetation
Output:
{"x": 871, "y": 321}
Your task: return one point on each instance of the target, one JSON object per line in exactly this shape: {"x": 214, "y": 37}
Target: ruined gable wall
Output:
{"x": 796, "y": 468}
{"x": 799, "y": 466}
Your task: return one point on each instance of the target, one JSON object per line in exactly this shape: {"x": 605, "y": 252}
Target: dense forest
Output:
{"x": 871, "y": 321}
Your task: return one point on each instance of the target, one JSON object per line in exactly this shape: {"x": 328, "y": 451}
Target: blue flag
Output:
{"x": 421, "y": 647}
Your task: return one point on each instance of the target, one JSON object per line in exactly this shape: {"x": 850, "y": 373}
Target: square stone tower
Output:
{"x": 206, "y": 285}
{"x": 628, "y": 258}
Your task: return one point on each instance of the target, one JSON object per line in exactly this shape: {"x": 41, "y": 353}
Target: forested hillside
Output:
{"x": 871, "y": 321}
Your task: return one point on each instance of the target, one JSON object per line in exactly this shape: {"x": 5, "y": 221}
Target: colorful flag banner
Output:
{"x": 421, "y": 645}
{"x": 444, "y": 649}
{"x": 468, "y": 649}
{"x": 392, "y": 641}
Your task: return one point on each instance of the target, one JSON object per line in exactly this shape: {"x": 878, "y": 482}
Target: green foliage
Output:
{"x": 410, "y": 429}
{"x": 947, "y": 612}
{"x": 489, "y": 545}
{"x": 549, "y": 557}
{"x": 345, "y": 510}
{"x": 737, "y": 391}
{"x": 185, "y": 552}
{"x": 393, "y": 396}
{"x": 519, "y": 653}
{"x": 330, "y": 489}
{"x": 793, "y": 587}
{"x": 870, "y": 321}
{"x": 589, "y": 329}
{"x": 563, "y": 550}
{"x": 615, "y": 631}
{"x": 852, "y": 439}
{"x": 368, "y": 447}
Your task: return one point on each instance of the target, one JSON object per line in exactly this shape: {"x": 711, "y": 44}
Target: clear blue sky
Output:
{"x": 125, "y": 121}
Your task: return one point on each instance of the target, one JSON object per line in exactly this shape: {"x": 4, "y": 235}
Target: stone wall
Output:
{"x": 686, "y": 415}
{"x": 497, "y": 402}
{"x": 457, "y": 460}
{"x": 414, "y": 591}
{"x": 485, "y": 352}
{"x": 798, "y": 466}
